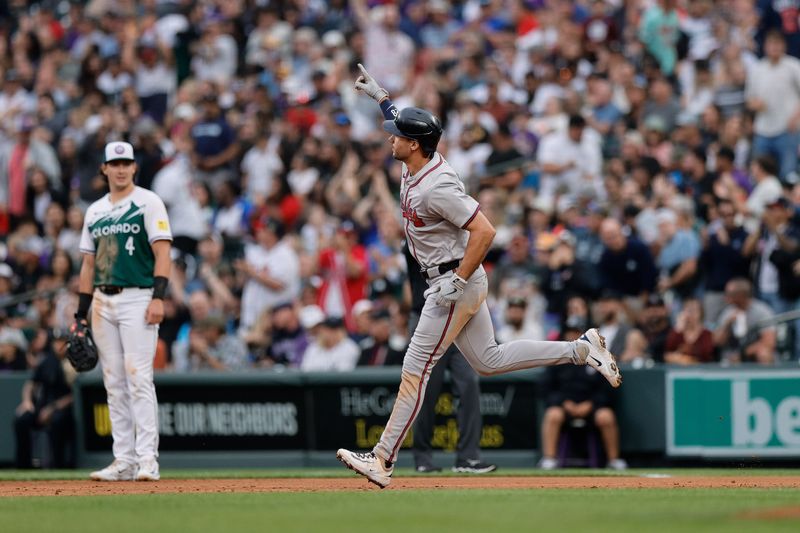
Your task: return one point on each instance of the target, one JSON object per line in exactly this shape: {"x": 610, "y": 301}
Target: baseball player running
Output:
{"x": 126, "y": 260}
{"x": 449, "y": 237}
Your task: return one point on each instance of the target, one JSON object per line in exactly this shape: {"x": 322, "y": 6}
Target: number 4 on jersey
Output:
{"x": 129, "y": 245}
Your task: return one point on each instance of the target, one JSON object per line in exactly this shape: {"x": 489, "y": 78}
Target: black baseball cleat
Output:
{"x": 427, "y": 469}
{"x": 473, "y": 466}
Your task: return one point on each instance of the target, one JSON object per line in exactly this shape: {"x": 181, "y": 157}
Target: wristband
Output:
{"x": 84, "y": 301}
{"x": 159, "y": 287}
{"x": 388, "y": 109}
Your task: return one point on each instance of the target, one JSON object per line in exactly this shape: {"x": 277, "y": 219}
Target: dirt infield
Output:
{"x": 190, "y": 486}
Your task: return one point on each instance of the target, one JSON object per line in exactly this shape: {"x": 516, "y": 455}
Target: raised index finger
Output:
{"x": 364, "y": 71}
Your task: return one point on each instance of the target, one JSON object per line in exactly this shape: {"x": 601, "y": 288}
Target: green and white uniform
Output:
{"x": 120, "y": 236}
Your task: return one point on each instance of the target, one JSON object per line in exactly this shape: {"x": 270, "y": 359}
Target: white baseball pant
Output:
{"x": 469, "y": 325}
{"x": 127, "y": 346}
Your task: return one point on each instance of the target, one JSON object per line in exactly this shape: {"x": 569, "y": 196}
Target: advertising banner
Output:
{"x": 307, "y": 415}
{"x": 743, "y": 413}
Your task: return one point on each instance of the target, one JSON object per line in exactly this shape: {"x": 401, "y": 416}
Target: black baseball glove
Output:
{"x": 81, "y": 350}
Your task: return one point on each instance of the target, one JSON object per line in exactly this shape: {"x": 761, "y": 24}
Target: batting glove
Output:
{"x": 369, "y": 86}
{"x": 448, "y": 292}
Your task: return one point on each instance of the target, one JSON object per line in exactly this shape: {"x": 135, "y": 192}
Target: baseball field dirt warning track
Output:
{"x": 177, "y": 486}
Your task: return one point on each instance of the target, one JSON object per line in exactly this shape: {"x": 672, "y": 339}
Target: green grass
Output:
{"x": 22, "y": 475}
{"x": 440, "y": 511}
{"x": 437, "y": 511}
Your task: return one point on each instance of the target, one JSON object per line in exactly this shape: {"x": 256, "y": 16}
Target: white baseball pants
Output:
{"x": 127, "y": 346}
{"x": 469, "y": 325}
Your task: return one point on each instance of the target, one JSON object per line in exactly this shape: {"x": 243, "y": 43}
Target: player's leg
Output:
{"x": 423, "y": 427}
{"x": 61, "y": 435}
{"x": 606, "y": 423}
{"x": 139, "y": 343}
{"x": 476, "y": 341}
{"x": 552, "y": 421}
{"x": 437, "y": 327}
{"x": 466, "y": 386}
{"x": 109, "y": 345}
{"x": 23, "y": 426}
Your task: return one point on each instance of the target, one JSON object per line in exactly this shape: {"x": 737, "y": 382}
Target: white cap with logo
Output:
{"x": 119, "y": 150}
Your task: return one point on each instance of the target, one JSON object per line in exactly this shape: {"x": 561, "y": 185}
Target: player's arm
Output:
{"x": 86, "y": 276}
{"x": 481, "y": 235}
{"x": 370, "y": 87}
{"x": 85, "y": 286}
{"x": 163, "y": 263}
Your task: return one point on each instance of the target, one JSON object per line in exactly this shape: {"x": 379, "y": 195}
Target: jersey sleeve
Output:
{"x": 156, "y": 222}
{"x": 86, "y": 244}
{"x": 449, "y": 201}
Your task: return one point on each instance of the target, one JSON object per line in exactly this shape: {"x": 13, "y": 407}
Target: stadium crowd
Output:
{"x": 638, "y": 159}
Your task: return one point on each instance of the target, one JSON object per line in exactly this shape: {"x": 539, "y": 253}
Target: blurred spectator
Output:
{"x": 13, "y": 345}
{"x": 388, "y": 52}
{"x": 775, "y": 250}
{"x": 570, "y": 160}
{"x": 677, "y": 258}
{"x": 745, "y": 333}
{"x": 231, "y": 215}
{"x": 626, "y": 265}
{"x": 260, "y": 166}
{"x": 517, "y": 323}
{"x": 215, "y": 144}
{"x": 211, "y": 348}
{"x": 516, "y": 267}
{"x": 331, "y": 350}
{"x": 173, "y": 184}
{"x": 214, "y": 273}
{"x": 650, "y": 339}
{"x": 503, "y": 161}
{"x": 440, "y": 28}
{"x": 690, "y": 342}
{"x": 565, "y": 275}
{"x": 290, "y": 337}
{"x": 154, "y": 72}
{"x": 362, "y": 311}
{"x": 773, "y": 93}
{"x": 17, "y": 159}
{"x": 47, "y": 405}
{"x": 560, "y": 115}
{"x": 659, "y": 31}
{"x": 344, "y": 271}
{"x": 767, "y": 188}
{"x": 577, "y": 393}
{"x": 380, "y": 347}
{"x": 661, "y": 105}
{"x": 608, "y": 314}
{"x": 271, "y": 270}
{"x": 723, "y": 258}
{"x": 216, "y": 52}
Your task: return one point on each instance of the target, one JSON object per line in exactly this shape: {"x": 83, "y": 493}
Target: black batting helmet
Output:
{"x": 417, "y": 124}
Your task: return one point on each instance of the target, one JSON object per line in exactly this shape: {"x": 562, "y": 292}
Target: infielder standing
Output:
{"x": 449, "y": 237}
{"x": 126, "y": 261}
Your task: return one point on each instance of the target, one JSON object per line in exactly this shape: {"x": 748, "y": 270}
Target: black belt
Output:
{"x": 115, "y": 289}
{"x": 438, "y": 270}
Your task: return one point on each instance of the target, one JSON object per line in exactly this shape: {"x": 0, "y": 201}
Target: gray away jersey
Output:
{"x": 119, "y": 236}
{"x": 436, "y": 210}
